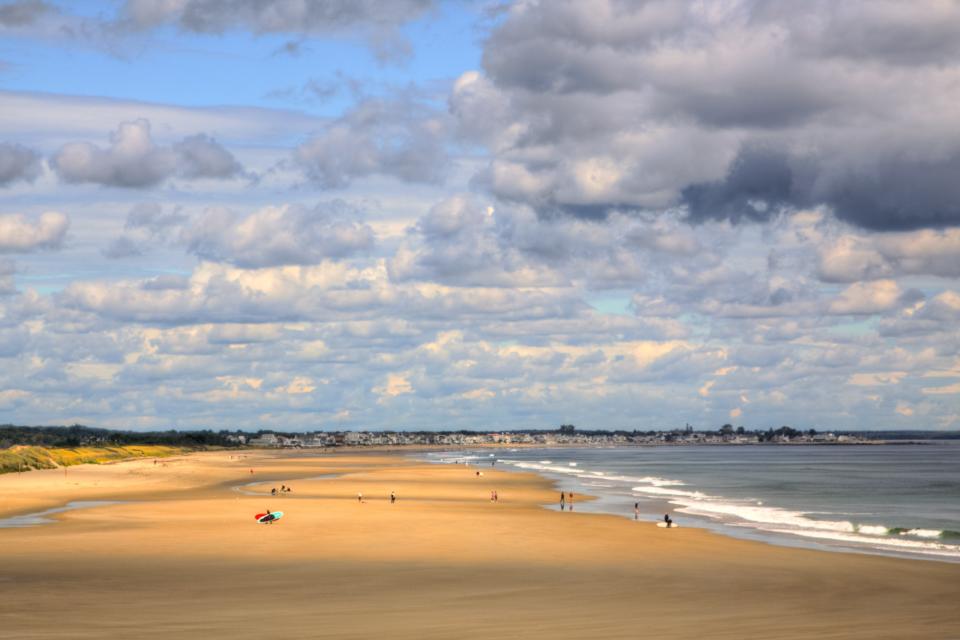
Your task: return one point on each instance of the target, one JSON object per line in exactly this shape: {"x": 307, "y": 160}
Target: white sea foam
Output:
{"x": 665, "y": 491}
{"x": 447, "y": 458}
{"x": 546, "y": 466}
{"x": 873, "y": 529}
{"x": 922, "y": 533}
{"x": 715, "y": 508}
{"x": 891, "y": 543}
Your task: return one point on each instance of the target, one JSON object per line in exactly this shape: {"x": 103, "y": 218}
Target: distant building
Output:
{"x": 265, "y": 440}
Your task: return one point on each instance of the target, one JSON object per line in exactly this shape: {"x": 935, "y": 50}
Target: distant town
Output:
{"x": 566, "y": 435}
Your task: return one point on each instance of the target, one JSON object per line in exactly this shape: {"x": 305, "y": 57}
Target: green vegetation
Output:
{"x": 81, "y": 436}
{"x": 25, "y": 458}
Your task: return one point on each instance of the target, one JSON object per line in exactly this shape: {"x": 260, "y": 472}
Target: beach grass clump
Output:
{"x": 25, "y": 458}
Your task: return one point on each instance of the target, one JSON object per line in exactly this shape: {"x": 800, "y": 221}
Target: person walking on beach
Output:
{"x": 562, "y": 504}
{"x": 636, "y": 510}
{"x": 570, "y": 500}
{"x": 359, "y": 497}
{"x": 667, "y": 520}
{"x": 393, "y": 497}
{"x": 496, "y": 498}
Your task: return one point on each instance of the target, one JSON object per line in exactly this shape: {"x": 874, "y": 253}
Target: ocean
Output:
{"x": 901, "y": 500}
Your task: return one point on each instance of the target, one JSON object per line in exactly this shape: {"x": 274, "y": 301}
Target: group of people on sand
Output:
{"x": 566, "y": 499}
{"x": 282, "y": 490}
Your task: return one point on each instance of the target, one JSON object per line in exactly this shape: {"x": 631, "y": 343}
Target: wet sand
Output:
{"x": 182, "y": 557}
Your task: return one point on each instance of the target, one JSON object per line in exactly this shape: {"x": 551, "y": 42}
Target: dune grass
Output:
{"x": 25, "y": 458}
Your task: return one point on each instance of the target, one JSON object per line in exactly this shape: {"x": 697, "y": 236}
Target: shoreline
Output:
{"x": 616, "y": 493}
{"x": 187, "y": 560}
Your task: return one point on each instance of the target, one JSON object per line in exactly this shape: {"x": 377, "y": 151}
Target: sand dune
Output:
{"x": 182, "y": 557}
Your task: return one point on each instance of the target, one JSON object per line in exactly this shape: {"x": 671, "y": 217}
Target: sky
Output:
{"x": 416, "y": 214}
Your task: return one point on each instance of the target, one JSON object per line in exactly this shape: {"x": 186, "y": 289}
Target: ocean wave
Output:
{"x": 715, "y": 508}
{"x": 541, "y": 466}
{"x": 665, "y": 491}
{"x": 922, "y": 533}
{"x": 891, "y": 543}
{"x": 571, "y": 470}
{"x": 873, "y": 529}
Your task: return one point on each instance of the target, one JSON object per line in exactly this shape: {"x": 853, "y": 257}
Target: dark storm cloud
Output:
{"x": 17, "y": 163}
{"x": 737, "y": 110}
{"x": 900, "y": 193}
{"x": 760, "y": 183}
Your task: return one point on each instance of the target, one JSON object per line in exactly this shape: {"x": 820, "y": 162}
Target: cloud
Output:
{"x": 202, "y": 157}
{"x": 739, "y": 111}
{"x": 399, "y": 138}
{"x": 133, "y": 160}
{"x": 7, "y": 285}
{"x": 18, "y": 163}
{"x": 852, "y": 257}
{"x": 25, "y": 12}
{"x": 376, "y": 22}
{"x": 147, "y": 226}
{"x": 285, "y": 16}
{"x": 150, "y": 217}
{"x": 396, "y": 384}
{"x": 57, "y": 118}
{"x": 895, "y": 191}
{"x": 466, "y": 241}
{"x": 863, "y": 298}
{"x": 299, "y": 385}
{"x": 934, "y": 319}
{"x": 283, "y": 235}
{"x": 122, "y": 247}
{"x": 19, "y": 235}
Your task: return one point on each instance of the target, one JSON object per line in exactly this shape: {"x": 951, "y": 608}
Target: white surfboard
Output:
{"x": 664, "y": 525}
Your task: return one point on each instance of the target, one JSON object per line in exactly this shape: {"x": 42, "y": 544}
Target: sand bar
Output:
{"x": 182, "y": 557}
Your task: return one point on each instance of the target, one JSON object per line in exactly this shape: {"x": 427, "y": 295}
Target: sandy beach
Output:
{"x": 178, "y": 554}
